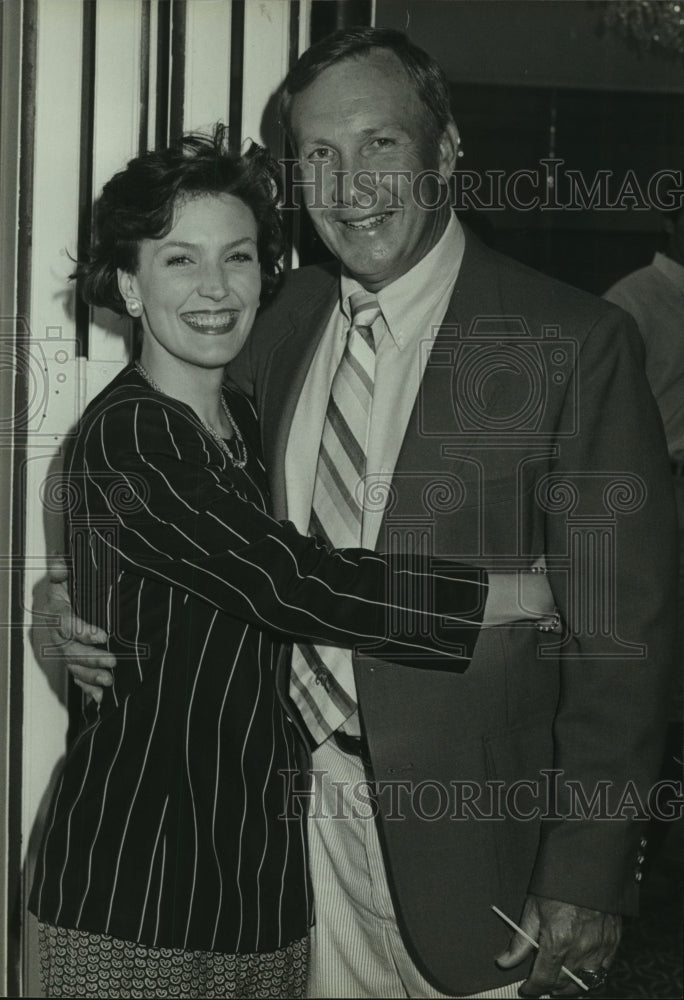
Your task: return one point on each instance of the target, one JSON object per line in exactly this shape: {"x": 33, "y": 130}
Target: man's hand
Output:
{"x": 75, "y": 640}
{"x": 568, "y": 935}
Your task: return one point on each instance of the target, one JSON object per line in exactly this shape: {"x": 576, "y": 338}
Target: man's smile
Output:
{"x": 369, "y": 223}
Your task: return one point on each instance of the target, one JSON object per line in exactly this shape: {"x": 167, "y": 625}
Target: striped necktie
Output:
{"x": 322, "y": 682}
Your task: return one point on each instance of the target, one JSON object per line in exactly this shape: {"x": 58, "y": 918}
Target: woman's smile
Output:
{"x": 211, "y": 322}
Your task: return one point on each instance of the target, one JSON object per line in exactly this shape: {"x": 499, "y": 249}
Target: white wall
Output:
{"x": 9, "y": 145}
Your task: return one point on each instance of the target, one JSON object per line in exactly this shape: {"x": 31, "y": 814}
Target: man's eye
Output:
{"x": 321, "y": 154}
{"x": 240, "y": 256}
{"x": 382, "y": 142}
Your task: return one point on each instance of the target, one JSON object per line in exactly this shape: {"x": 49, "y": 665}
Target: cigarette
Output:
{"x": 512, "y": 923}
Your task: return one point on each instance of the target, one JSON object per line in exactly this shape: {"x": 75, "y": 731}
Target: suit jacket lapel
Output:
{"x": 434, "y": 419}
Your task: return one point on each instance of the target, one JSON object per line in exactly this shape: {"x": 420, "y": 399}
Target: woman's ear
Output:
{"x": 128, "y": 286}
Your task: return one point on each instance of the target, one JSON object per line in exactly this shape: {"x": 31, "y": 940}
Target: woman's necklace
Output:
{"x": 241, "y": 460}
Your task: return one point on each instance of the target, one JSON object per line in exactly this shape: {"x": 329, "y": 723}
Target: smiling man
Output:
{"x": 365, "y": 123}
{"x": 426, "y": 393}
{"x": 403, "y": 906}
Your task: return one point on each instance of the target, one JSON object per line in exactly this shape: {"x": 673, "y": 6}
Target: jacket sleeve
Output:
{"x": 614, "y": 514}
{"x": 161, "y": 502}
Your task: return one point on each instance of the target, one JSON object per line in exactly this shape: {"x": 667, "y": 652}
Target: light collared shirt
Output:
{"x": 654, "y": 296}
{"x": 413, "y": 308}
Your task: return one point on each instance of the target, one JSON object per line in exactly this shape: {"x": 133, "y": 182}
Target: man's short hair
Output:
{"x": 426, "y": 74}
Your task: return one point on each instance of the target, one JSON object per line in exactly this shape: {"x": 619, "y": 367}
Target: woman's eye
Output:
{"x": 240, "y": 256}
{"x": 178, "y": 259}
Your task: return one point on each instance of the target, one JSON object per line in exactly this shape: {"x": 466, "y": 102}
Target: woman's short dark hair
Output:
{"x": 425, "y": 72}
{"x": 138, "y": 203}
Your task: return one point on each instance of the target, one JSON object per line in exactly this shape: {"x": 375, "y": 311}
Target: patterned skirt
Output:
{"x": 80, "y": 964}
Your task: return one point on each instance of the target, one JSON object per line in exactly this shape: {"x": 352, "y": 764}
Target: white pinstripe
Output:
{"x": 137, "y": 629}
{"x": 161, "y": 882}
{"x": 71, "y": 812}
{"x": 47, "y": 835}
{"x": 137, "y": 787}
{"x": 151, "y": 871}
{"x": 102, "y": 806}
{"x": 216, "y": 782}
{"x": 110, "y": 629}
{"x": 265, "y": 816}
{"x": 245, "y": 790}
{"x": 189, "y": 774}
{"x": 170, "y": 433}
{"x": 287, "y": 827}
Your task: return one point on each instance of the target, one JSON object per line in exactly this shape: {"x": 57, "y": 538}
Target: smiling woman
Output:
{"x": 164, "y": 870}
{"x": 197, "y": 295}
{"x": 185, "y": 238}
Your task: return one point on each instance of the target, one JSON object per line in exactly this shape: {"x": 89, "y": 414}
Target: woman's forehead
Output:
{"x": 211, "y": 211}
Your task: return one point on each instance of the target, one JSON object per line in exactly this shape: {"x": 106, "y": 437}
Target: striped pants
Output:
{"x": 356, "y": 947}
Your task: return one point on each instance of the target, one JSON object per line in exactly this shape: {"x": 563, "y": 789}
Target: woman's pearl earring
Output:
{"x": 134, "y": 307}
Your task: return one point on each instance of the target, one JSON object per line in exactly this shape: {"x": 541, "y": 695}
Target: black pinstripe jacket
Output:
{"x": 170, "y": 824}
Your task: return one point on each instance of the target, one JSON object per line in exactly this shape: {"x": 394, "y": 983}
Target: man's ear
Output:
{"x": 448, "y": 150}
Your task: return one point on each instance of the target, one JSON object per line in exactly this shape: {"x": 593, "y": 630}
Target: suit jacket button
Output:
{"x": 643, "y": 842}
{"x": 638, "y": 875}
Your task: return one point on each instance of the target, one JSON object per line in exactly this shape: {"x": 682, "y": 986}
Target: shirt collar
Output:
{"x": 409, "y": 301}
{"x": 671, "y": 269}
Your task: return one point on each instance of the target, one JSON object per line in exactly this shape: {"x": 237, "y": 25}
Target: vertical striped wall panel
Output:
{"x": 161, "y": 67}
{"x": 207, "y": 63}
{"x": 11, "y": 639}
{"x": 266, "y": 43}
{"x": 115, "y": 129}
{"x": 52, "y": 379}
